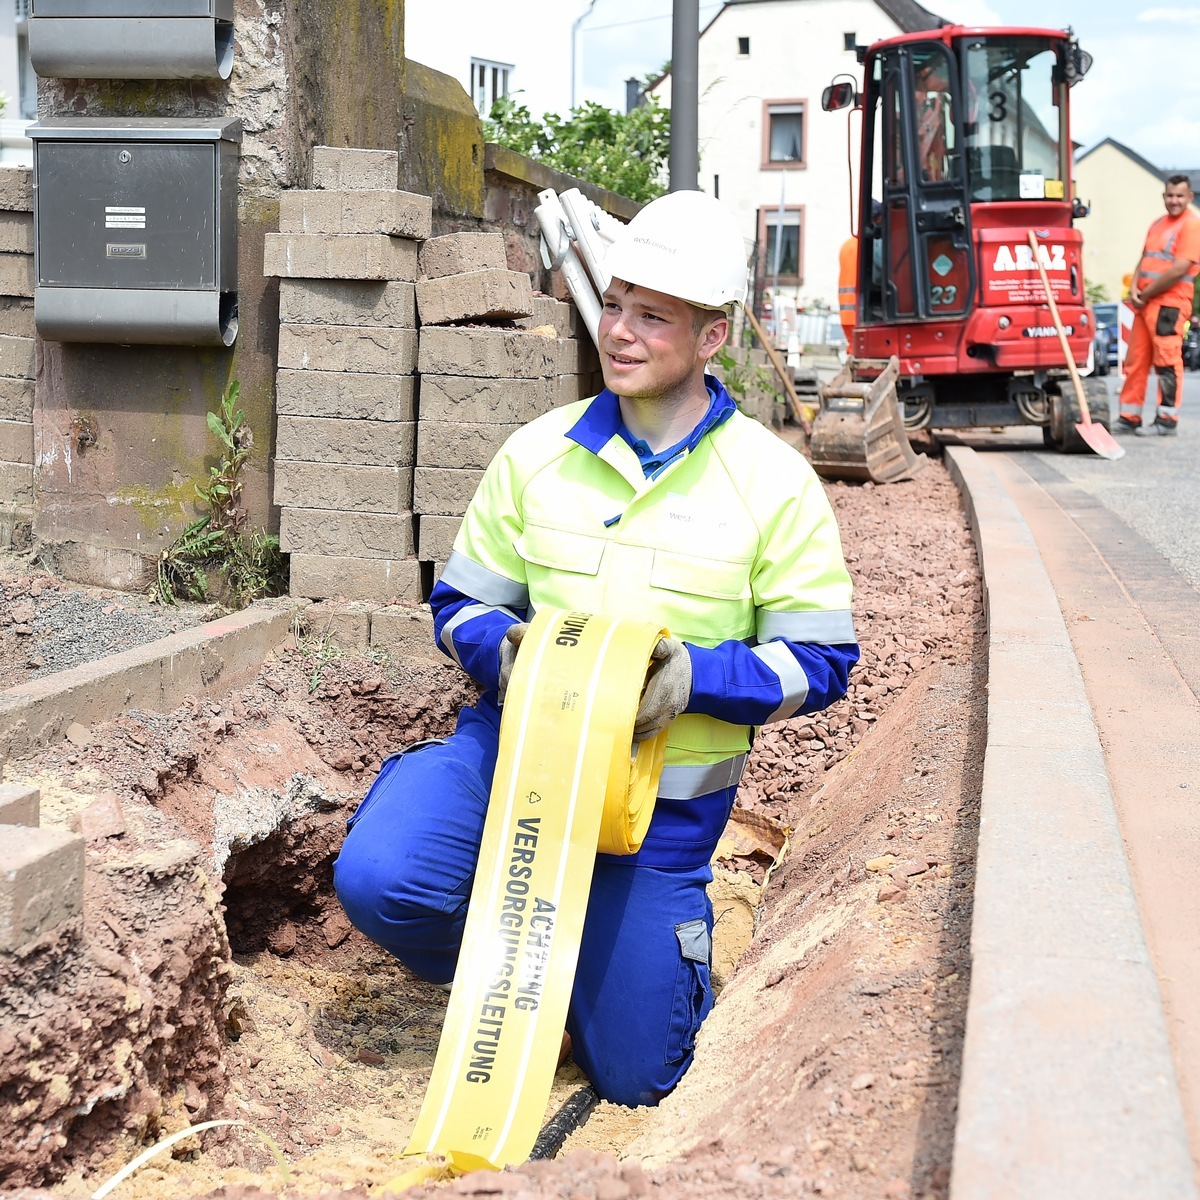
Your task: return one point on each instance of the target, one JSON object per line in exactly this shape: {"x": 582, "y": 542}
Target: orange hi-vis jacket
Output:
{"x": 1171, "y": 238}
{"x": 848, "y": 284}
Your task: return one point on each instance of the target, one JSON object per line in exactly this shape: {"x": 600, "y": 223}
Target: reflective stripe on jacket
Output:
{"x": 1171, "y": 238}
{"x": 733, "y": 547}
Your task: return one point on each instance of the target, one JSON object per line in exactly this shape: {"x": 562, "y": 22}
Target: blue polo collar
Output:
{"x": 601, "y": 420}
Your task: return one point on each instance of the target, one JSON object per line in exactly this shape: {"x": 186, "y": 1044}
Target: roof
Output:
{"x": 1133, "y": 155}
{"x": 1193, "y": 173}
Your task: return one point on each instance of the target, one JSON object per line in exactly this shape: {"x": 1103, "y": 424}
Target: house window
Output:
{"x": 850, "y": 41}
{"x": 743, "y": 46}
{"x": 781, "y": 234}
{"x": 783, "y": 133}
{"x": 489, "y": 83}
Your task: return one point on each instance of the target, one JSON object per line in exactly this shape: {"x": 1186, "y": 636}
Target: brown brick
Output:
{"x": 348, "y": 348}
{"x": 322, "y": 576}
{"x": 348, "y": 302}
{"x": 346, "y": 442}
{"x": 16, "y": 442}
{"x": 348, "y": 394}
{"x": 563, "y": 316}
{"x": 16, "y": 485}
{"x": 352, "y": 489}
{"x": 487, "y": 353}
{"x": 20, "y": 805}
{"x": 454, "y": 253}
{"x": 16, "y": 357}
{"x": 444, "y": 491}
{"x": 357, "y": 534}
{"x": 458, "y": 444}
{"x": 398, "y": 214}
{"x": 16, "y": 189}
{"x": 41, "y": 882}
{"x": 16, "y": 274}
{"x": 16, "y": 232}
{"x": 339, "y": 167}
{"x": 347, "y": 624}
{"x": 469, "y": 398}
{"x": 339, "y": 256}
{"x": 404, "y": 632}
{"x": 576, "y": 356}
{"x": 569, "y": 388}
{"x": 435, "y": 537}
{"x": 16, "y": 316}
{"x": 475, "y": 296}
{"x": 16, "y": 399}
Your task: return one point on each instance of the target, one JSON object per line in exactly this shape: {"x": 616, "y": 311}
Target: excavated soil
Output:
{"x": 829, "y": 1066}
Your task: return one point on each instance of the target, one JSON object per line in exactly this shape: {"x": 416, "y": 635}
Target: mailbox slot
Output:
{"x": 135, "y": 230}
{"x": 131, "y": 39}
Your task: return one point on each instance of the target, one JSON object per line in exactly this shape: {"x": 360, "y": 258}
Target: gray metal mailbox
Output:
{"x": 135, "y": 230}
{"x": 131, "y": 39}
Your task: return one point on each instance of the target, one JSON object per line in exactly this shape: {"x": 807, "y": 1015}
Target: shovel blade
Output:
{"x": 1099, "y": 440}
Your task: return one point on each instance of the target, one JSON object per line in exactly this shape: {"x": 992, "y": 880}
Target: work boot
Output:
{"x": 1126, "y": 425}
{"x": 1166, "y": 428}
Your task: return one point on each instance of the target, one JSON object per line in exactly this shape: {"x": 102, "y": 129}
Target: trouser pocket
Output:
{"x": 1168, "y": 321}
{"x": 693, "y": 988}
{"x": 386, "y": 769}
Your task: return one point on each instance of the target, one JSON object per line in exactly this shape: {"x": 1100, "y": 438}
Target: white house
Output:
{"x": 766, "y": 147}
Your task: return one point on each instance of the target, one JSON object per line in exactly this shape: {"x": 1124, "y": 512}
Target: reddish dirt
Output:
{"x": 830, "y": 1063}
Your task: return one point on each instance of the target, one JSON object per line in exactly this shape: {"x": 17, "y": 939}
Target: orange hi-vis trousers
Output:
{"x": 1155, "y": 340}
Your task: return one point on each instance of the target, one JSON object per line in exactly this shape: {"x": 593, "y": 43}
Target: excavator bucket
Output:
{"x": 859, "y": 432}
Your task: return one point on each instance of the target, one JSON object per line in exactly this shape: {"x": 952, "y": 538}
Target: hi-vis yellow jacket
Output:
{"x": 733, "y": 546}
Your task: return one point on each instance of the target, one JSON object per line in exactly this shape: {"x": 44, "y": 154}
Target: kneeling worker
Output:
{"x": 655, "y": 500}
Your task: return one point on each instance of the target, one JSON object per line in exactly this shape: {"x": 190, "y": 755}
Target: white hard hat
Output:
{"x": 684, "y": 244}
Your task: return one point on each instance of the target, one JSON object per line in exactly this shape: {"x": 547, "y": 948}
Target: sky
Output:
{"x": 1143, "y": 89}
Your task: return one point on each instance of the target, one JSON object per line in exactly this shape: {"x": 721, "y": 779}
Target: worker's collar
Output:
{"x": 601, "y": 420}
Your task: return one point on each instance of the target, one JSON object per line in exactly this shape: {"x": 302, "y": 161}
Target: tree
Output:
{"x": 624, "y": 152}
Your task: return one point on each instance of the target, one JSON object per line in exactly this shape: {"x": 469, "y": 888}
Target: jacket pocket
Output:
{"x": 718, "y": 578}
{"x": 1168, "y": 321}
{"x": 560, "y": 549}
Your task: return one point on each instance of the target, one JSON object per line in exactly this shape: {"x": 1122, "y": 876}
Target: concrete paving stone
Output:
{"x": 576, "y": 356}
{"x": 16, "y": 442}
{"x": 339, "y": 256}
{"x": 1036, "y": 698}
{"x": 357, "y": 534}
{"x": 16, "y": 357}
{"x": 476, "y": 296}
{"x": 347, "y": 348}
{"x": 322, "y": 576}
{"x": 16, "y": 485}
{"x": 41, "y": 883}
{"x": 16, "y": 189}
{"x": 1068, "y": 1087}
{"x": 103, "y": 818}
{"x": 390, "y": 302}
{"x": 443, "y": 491}
{"x": 20, "y": 804}
{"x": 435, "y": 537}
{"x": 342, "y": 167}
{"x": 547, "y": 310}
{"x": 346, "y": 623}
{"x": 16, "y": 315}
{"x": 569, "y": 388}
{"x": 16, "y": 274}
{"x": 16, "y": 232}
{"x": 338, "y": 440}
{"x": 473, "y": 399}
{"x": 402, "y": 631}
{"x": 348, "y": 489}
{"x": 343, "y": 394}
{"x": 454, "y": 253}
{"x": 459, "y": 444}
{"x": 487, "y": 353}
{"x": 397, "y": 214}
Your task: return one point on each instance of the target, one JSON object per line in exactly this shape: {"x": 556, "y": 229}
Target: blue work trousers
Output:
{"x": 642, "y": 985}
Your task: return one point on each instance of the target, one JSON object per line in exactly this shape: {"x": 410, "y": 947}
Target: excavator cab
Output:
{"x": 965, "y": 148}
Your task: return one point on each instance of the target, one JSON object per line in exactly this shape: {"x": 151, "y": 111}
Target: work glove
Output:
{"x": 667, "y": 691}
{"x": 509, "y": 645}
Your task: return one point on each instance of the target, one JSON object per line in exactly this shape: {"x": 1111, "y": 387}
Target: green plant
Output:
{"x": 1097, "y": 293}
{"x": 625, "y": 152}
{"x": 741, "y": 378}
{"x": 250, "y": 561}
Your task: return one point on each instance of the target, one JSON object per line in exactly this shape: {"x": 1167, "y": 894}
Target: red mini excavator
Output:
{"x": 966, "y": 147}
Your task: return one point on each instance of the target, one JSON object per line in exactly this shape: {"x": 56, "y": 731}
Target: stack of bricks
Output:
{"x": 16, "y": 351}
{"x": 493, "y": 355}
{"x": 345, "y": 445}
{"x": 41, "y": 871}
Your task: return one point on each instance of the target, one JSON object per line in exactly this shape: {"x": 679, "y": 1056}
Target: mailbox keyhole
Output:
{"x": 124, "y": 157}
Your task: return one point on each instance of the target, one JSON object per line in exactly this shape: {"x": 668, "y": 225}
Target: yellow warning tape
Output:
{"x": 565, "y": 783}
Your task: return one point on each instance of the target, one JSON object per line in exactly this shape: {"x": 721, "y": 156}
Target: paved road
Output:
{"x": 1121, "y": 544}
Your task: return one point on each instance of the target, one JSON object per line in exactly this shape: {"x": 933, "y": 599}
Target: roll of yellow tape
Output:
{"x": 566, "y": 783}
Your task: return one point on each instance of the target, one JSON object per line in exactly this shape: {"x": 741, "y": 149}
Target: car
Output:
{"x": 1105, "y": 338}
{"x": 1191, "y": 346}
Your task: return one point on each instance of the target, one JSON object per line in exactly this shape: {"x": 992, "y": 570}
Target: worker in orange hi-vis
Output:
{"x": 1161, "y": 295}
{"x": 848, "y": 287}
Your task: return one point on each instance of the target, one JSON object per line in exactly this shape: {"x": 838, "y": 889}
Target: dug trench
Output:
{"x": 212, "y": 974}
